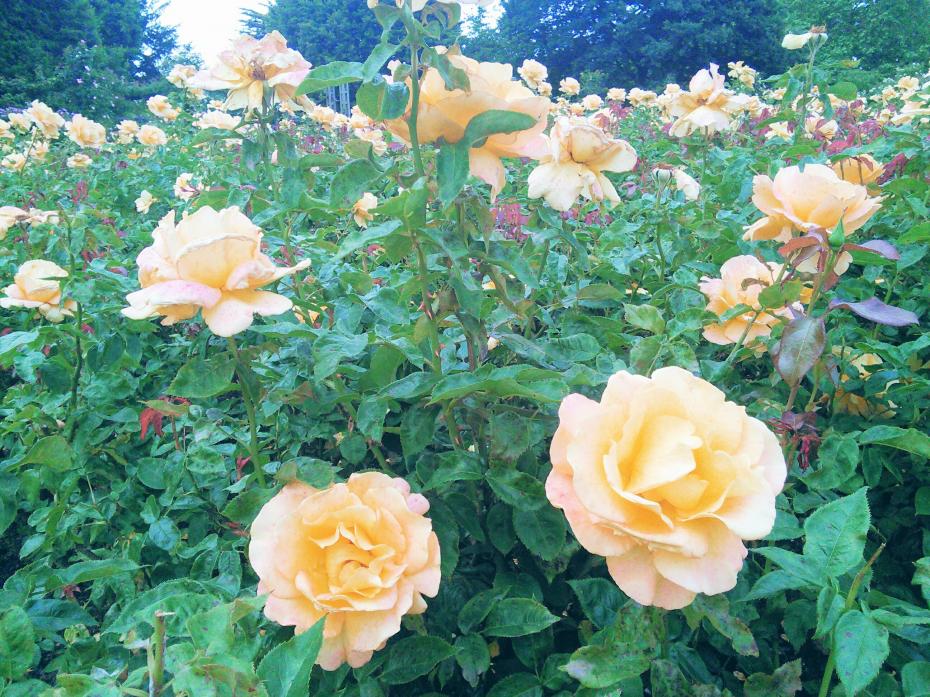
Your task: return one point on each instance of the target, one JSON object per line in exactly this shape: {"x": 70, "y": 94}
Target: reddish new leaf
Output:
{"x": 800, "y": 347}
{"x": 875, "y": 310}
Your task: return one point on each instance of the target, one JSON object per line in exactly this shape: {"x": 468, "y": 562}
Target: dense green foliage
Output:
{"x": 90, "y": 56}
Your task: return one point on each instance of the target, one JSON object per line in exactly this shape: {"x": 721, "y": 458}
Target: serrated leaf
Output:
{"x": 836, "y": 534}
{"x": 515, "y": 617}
{"x": 199, "y": 378}
{"x": 414, "y": 656}
{"x": 861, "y": 647}
{"x": 285, "y": 670}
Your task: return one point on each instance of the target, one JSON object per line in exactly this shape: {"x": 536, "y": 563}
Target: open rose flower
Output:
{"x": 86, "y": 133}
{"x": 665, "y": 478}
{"x": 569, "y": 86}
{"x": 151, "y": 136}
{"x": 579, "y": 154}
{"x": 860, "y": 169}
{"x": 46, "y": 120}
{"x": 361, "y": 554}
{"x": 181, "y": 75}
{"x": 445, "y": 114}
{"x": 707, "y": 106}
{"x": 533, "y": 73}
{"x": 800, "y": 201}
{"x": 162, "y": 108}
{"x": 217, "y": 119}
{"x": 249, "y": 65}
{"x": 210, "y": 261}
{"x": 741, "y": 280}
{"x": 36, "y": 285}
{"x": 10, "y": 216}
{"x": 361, "y": 209}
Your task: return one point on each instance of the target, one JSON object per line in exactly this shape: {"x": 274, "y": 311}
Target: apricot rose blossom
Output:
{"x": 707, "y": 106}
{"x": 665, "y": 478}
{"x": 211, "y": 261}
{"x": 362, "y": 554}
{"x": 445, "y": 113}
{"x": 579, "y": 154}
{"x": 249, "y": 65}
{"x": 36, "y": 286}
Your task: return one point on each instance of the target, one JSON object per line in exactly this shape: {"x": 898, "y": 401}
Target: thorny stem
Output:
{"x": 850, "y": 600}
{"x": 254, "y": 449}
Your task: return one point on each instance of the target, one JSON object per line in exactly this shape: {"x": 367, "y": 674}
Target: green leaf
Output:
{"x": 784, "y": 682}
{"x": 17, "y": 643}
{"x": 164, "y": 534}
{"x": 645, "y": 317}
{"x": 452, "y": 167}
{"x": 382, "y": 100}
{"x": 500, "y": 528}
{"x": 350, "y": 182}
{"x": 285, "y": 670}
{"x": 716, "y": 609}
{"x": 494, "y": 121}
{"x": 603, "y": 666}
{"x": 800, "y": 347}
{"x": 542, "y": 531}
{"x": 53, "y": 452}
{"x": 600, "y": 599}
{"x": 357, "y": 239}
{"x": 517, "y": 488}
{"x": 473, "y": 657}
{"x": 908, "y": 439}
{"x": 861, "y": 647}
{"x": 518, "y": 617}
{"x": 199, "y": 379}
{"x": 517, "y": 685}
{"x": 836, "y": 533}
{"x": 915, "y": 677}
{"x": 85, "y": 571}
{"x": 331, "y": 75}
{"x": 837, "y": 459}
{"x": 414, "y": 656}
{"x": 846, "y": 91}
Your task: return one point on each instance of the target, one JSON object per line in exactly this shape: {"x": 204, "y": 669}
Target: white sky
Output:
{"x": 209, "y": 25}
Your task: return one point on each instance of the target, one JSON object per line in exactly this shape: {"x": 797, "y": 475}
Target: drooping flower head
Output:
{"x": 707, "y": 106}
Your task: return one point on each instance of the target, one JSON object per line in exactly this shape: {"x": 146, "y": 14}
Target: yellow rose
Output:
{"x": 860, "y": 169}
{"x": 181, "y": 75}
{"x": 579, "y": 154}
{"x": 10, "y": 216}
{"x": 144, "y": 202}
{"x": 361, "y": 208}
{"x": 569, "y": 86}
{"x": 79, "y": 161}
{"x": 817, "y": 126}
{"x": 5, "y": 130}
{"x": 681, "y": 180}
{"x": 210, "y": 261}
{"x": 126, "y": 131}
{"x": 361, "y": 554}
{"x": 20, "y": 121}
{"x": 445, "y": 114}
{"x": 848, "y": 403}
{"x": 706, "y": 107}
{"x": 616, "y": 94}
{"x": 638, "y": 97}
{"x": 544, "y": 89}
{"x": 249, "y": 65}
{"x": 184, "y": 187}
{"x": 151, "y": 136}
{"x": 15, "y": 162}
{"x": 35, "y": 286}
{"x": 161, "y": 107}
{"x": 46, "y": 120}
{"x": 217, "y": 119}
{"x": 665, "y": 478}
{"x": 741, "y": 280}
{"x": 533, "y": 73}
{"x": 793, "y": 42}
{"x": 86, "y": 133}
{"x": 592, "y": 102}
{"x": 38, "y": 151}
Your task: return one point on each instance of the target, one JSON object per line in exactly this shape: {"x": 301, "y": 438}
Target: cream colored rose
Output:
{"x": 375, "y": 137}
{"x": 184, "y": 187}
{"x": 797, "y": 201}
{"x": 126, "y": 131}
{"x": 911, "y": 110}
{"x": 151, "y": 136}
{"x": 741, "y": 280}
{"x": 217, "y": 119}
{"x": 46, "y": 120}
{"x": 616, "y": 94}
{"x": 35, "y": 285}
{"x": 579, "y": 154}
{"x": 6, "y": 130}
{"x": 181, "y": 75}
{"x": 10, "y": 216}
{"x": 544, "y": 89}
{"x": 20, "y": 121}
{"x": 681, "y": 180}
{"x": 569, "y": 86}
{"x": 793, "y": 42}
{"x": 144, "y": 202}
{"x": 707, "y": 106}
{"x": 40, "y": 217}
{"x": 638, "y": 97}
{"x": 86, "y": 133}
{"x": 817, "y": 126}
{"x": 779, "y": 129}
{"x": 38, "y": 151}
{"x": 592, "y": 102}
{"x": 445, "y": 114}
{"x": 249, "y": 65}
{"x": 533, "y": 72}
{"x": 743, "y": 73}
{"x": 14, "y": 162}
{"x": 211, "y": 261}
{"x": 361, "y": 209}
{"x": 361, "y": 554}
{"x": 161, "y": 107}
{"x": 79, "y": 161}
{"x": 860, "y": 169}
{"x": 665, "y": 478}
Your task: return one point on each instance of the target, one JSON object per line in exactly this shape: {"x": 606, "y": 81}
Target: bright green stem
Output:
{"x": 156, "y": 656}
{"x": 415, "y": 108}
{"x": 850, "y": 601}
{"x": 254, "y": 449}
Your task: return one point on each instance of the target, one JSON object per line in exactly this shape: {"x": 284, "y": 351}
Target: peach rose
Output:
{"x": 151, "y": 136}
{"x": 79, "y": 161}
{"x": 46, "y": 120}
{"x": 126, "y": 131}
{"x": 361, "y": 209}
{"x": 665, "y": 478}
{"x": 818, "y": 126}
{"x": 211, "y": 261}
{"x": 592, "y": 102}
{"x": 544, "y": 89}
{"x": 640, "y": 97}
{"x": 184, "y": 187}
{"x": 445, "y": 114}
{"x": 161, "y": 107}
{"x": 681, "y": 180}
{"x": 362, "y": 554}
{"x": 6, "y": 130}
{"x": 10, "y": 216}
{"x": 86, "y": 133}
{"x": 15, "y": 162}
{"x": 616, "y": 94}
{"x": 848, "y": 403}
{"x": 569, "y": 86}
{"x": 860, "y": 169}
{"x": 145, "y": 201}
{"x": 217, "y": 119}
{"x": 533, "y": 73}
{"x": 580, "y": 153}
{"x": 803, "y": 201}
{"x": 706, "y": 107}
{"x": 181, "y": 75}
{"x": 741, "y": 280}
{"x": 35, "y": 285}
{"x": 251, "y": 63}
